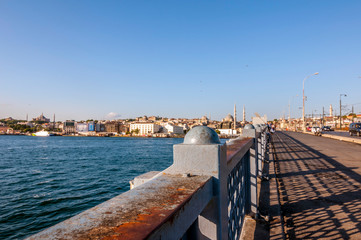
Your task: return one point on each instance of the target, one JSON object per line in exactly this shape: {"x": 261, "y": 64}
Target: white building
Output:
{"x": 259, "y": 120}
{"x": 174, "y": 129}
{"x": 145, "y": 128}
{"x": 227, "y": 132}
{"x": 29, "y": 124}
{"x": 184, "y": 126}
{"x": 81, "y": 127}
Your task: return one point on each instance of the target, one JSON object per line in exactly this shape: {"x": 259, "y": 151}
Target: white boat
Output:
{"x": 42, "y": 133}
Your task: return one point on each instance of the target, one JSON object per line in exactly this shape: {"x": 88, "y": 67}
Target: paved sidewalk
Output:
{"x": 319, "y": 183}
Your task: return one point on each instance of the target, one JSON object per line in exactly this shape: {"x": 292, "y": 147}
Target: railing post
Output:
{"x": 259, "y": 150}
{"x": 263, "y": 144}
{"x": 202, "y": 154}
{"x": 268, "y": 139}
{"x": 250, "y": 131}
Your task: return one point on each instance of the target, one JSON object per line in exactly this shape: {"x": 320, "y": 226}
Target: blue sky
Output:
{"x": 86, "y": 59}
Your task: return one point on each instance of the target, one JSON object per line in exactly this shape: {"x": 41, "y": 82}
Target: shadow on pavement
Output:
{"x": 320, "y": 198}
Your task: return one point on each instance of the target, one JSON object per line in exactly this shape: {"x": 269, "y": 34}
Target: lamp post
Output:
{"x": 289, "y": 110}
{"x": 303, "y": 98}
{"x": 340, "y": 109}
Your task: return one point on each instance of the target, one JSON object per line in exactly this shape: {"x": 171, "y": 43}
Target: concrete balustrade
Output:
{"x": 205, "y": 194}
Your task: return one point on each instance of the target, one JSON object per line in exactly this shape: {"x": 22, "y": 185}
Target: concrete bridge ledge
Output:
{"x": 156, "y": 204}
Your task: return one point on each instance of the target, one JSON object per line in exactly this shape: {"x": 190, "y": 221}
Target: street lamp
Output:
{"x": 289, "y": 110}
{"x": 303, "y": 98}
{"x": 340, "y": 108}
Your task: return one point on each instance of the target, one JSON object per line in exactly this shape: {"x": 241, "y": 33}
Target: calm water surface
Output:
{"x": 47, "y": 180}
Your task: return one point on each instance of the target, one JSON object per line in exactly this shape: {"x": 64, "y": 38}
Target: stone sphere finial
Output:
{"x": 249, "y": 126}
{"x": 201, "y": 135}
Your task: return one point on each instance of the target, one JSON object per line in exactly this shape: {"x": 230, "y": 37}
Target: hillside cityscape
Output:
{"x": 156, "y": 126}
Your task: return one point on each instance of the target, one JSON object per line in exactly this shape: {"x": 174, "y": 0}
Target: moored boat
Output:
{"x": 42, "y": 133}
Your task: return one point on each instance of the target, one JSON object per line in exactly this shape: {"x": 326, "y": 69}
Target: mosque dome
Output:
{"x": 204, "y": 119}
{"x": 228, "y": 118}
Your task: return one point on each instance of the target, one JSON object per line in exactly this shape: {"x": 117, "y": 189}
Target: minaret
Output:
{"x": 26, "y": 117}
{"x": 331, "y": 111}
{"x": 54, "y": 122}
{"x": 244, "y": 114}
{"x": 235, "y": 117}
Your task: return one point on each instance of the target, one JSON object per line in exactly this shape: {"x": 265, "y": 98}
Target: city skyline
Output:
{"x": 84, "y": 60}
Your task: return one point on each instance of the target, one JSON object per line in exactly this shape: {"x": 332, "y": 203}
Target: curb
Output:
{"x": 340, "y": 138}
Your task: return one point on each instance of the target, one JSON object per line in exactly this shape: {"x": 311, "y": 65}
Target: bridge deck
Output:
{"x": 319, "y": 181}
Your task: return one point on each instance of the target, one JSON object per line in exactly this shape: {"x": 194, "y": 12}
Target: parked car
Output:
{"x": 316, "y": 130}
{"x": 355, "y": 129}
{"x": 327, "y": 128}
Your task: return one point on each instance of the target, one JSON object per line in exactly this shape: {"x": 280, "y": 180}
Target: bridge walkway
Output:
{"x": 319, "y": 186}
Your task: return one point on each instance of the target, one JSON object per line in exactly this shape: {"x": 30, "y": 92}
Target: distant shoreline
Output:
{"x": 93, "y": 136}
{"x": 222, "y": 137}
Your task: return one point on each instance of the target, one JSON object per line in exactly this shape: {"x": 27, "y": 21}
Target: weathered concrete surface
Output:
{"x": 320, "y": 186}
{"x": 146, "y": 212}
{"x": 238, "y": 147}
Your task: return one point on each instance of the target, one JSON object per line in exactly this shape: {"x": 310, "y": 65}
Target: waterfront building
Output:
{"x": 100, "y": 127}
{"x": 112, "y": 127}
{"x": 123, "y": 128}
{"x": 145, "y": 128}
{"x": 13, "y": 132}
{"x": 91, "y": 126}
{"x": 41, "y": 118}
{"x": 82, "y": 127}
{"x": 4, "y": 129}
{"x": 227, "y": 131}
{"x": 69, "y": 127}
{"x": 173, "y": 129}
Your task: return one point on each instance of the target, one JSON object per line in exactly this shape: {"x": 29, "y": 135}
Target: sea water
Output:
{"x": 45, "y": 180}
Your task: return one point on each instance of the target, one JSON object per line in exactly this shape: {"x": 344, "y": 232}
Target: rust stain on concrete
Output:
{"x": 133, "y": 215}
{"x": 236, "y": 146}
